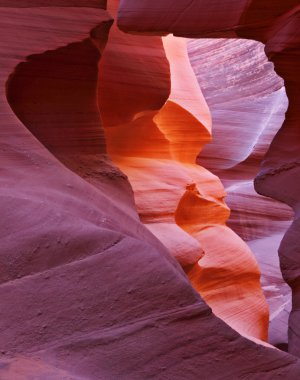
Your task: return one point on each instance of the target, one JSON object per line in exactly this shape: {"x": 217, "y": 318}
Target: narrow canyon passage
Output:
{"x": 248, "y": 104}
{"x": 180, "y": 202}
{"x": 162, "y": 164}
{"x": 276, "y": 25}
{"x": 87, "y": 289}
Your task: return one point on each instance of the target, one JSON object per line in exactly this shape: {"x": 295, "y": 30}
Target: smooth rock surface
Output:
{"x": 170, "y": 190}
{"x": 87, "y": 291}
{"x": 276, "y": 24}
{"x": 247, "y": 100}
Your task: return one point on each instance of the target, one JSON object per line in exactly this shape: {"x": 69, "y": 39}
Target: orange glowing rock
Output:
{"x": 87, "y": 292}
{"x": 155, "y": 140}
{"x": 275, "y": 24}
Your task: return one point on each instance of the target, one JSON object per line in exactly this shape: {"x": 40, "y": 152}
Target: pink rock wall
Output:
{"x": 87, "y": 291}
{"x": 180, "y": 202}
{"x": 276, "y": 24}
{"x": 248, "y": 104}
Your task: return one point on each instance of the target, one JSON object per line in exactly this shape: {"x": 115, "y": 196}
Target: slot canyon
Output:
{"x": 149, "y": 196}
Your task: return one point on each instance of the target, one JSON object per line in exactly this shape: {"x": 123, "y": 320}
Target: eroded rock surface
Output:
{"x": 276, "y": 24}
{"x": 248, "y": 102}
{"x": 156, "y": 146}
{"x": 87, "y": 292}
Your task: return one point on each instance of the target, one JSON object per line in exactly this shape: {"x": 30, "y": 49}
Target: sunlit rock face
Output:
{"x": 87, "y": 291}
{"x": 237, "y": 79}
{"x": 276, "y": 24}
{"x": 180, "y": 202}
{"x": 247, "y": 100}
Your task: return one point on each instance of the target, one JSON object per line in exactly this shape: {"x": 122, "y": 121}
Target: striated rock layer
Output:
{"x": 87, "y": 292}
{"x": 237, "y": 79}
{"x": 247, "y": 101}
{"x": 180, "y": 202}
{"x": 276, "y": 24}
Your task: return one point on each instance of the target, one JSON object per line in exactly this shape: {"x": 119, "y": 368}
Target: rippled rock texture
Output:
{"x": 155, "y": 137}
{"x": 248, "y": 102}
{"x": 276, "y": 24}
{"x": 87, "y": 291}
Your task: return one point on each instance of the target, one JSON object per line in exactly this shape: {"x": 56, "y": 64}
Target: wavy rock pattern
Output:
{"x": 175, "y": 197}
{"x": 248, "y": 101}
{"x": 276, "y": 24}
{"x": 87, "y": 292}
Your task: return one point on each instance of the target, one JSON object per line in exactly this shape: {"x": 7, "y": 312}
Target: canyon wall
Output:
{"x": 276, "y": 24}
{"x": 155, "y": 138}
{"x": 87, "y": 291}
{"x": 248, "y": 102}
